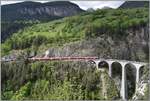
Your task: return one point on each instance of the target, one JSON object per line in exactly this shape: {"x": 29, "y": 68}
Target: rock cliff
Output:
{"x": 134, "y": 46}
{"x": 36, "y": 11}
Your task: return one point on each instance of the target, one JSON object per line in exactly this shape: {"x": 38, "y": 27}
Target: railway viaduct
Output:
{"x": 123, "y": 64}
{"x": 98, "y": 61}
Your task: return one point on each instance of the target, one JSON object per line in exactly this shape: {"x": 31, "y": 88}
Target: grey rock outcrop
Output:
{"x": 133, "y": 47}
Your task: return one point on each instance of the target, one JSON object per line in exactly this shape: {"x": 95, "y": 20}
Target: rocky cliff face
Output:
{"x": 34, "y": 10}
{"x": 142, "y": 89}
{"x": 141, "y": 92}
{"x": 135, "y": 4}
{"x": 134, "y": 46}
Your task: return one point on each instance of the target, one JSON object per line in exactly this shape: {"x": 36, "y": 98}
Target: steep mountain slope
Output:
{"x": 19, "y": 15}
{"x": 135, "y": 4}
{"x": 37, "y": 11}
{"x": 54, "y": 81}
{"x": 108, "y": 33}
{"x": 121, "y": 28}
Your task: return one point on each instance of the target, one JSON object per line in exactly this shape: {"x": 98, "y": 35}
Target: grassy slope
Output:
{"x": 70, "y": 29}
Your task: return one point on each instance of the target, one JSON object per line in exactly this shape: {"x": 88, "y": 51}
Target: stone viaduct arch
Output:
{"x": 123, "y": 64}
{"x": 130, "y": 79}
{"x": 116, "y": 73}
{"x": 103, "y": 64}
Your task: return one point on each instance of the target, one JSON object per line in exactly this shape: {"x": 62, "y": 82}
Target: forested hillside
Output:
{"x": 28, "y": 13}
{"x": 87, "y": 25}
{"x": 55, "y": 81}
{"x": 108, "y": 33}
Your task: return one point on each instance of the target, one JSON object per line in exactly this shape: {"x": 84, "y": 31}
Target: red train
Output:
{"x": 61, "y": 58}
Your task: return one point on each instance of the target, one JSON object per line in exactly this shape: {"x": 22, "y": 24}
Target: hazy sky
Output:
{"x": 83, "y": 4}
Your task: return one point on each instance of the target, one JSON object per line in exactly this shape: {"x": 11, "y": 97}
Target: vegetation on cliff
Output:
{"x": 54, "y": 80}
{"x": 84, "y": 26}
{"x": 70, "y": 80}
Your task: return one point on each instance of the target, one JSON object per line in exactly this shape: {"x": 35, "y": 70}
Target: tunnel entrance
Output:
{"x": 130, "y": 80}
{"x": 117, "y": 74}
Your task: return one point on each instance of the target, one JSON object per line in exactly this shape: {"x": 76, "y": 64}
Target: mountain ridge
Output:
{"x": 34, "y": 10}
{"x": 27, "y": 13}
{"x": 134, "y": 4}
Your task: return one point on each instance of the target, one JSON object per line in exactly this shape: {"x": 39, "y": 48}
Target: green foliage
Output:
{"x": 40, "y": 85}
{"x": 146, "y": 96}
{"x": 7, "y": 95}
{"x": 112, "y": 92}
{"x": 113, "y": 22}
{"x": 64, "y": 80}
{"x": 22, "y": 93}
{"x": 10, "y": 27}
{"x": 63, "y": 92}
{"x": 51, "y": 80}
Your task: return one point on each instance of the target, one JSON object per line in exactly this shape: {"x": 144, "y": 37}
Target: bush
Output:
{"x": 22, "y": 93}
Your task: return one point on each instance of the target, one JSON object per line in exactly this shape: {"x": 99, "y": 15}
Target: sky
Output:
{"x": 83, "y": 4}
